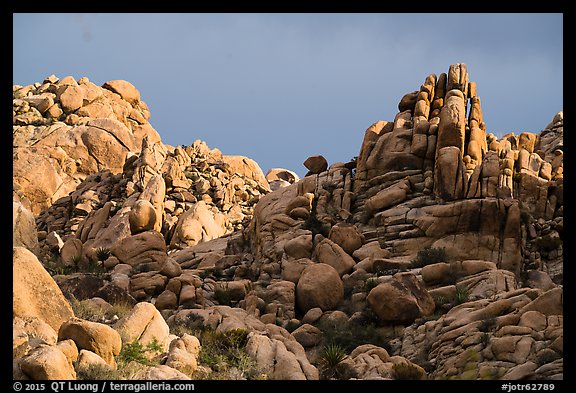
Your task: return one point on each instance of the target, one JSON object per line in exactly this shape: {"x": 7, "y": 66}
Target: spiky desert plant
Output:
{"x": 330, "y": 357}
{"x": 461, "y": 295}
{"x": 102, "y": 253}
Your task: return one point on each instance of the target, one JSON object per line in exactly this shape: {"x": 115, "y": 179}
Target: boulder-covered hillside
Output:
{"x": 435, "y": 254}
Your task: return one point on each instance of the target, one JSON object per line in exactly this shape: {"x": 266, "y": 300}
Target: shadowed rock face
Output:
{"x": 206, "y": 241}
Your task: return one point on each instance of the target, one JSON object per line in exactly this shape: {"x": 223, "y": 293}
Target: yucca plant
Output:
{"x": 102, "y": 253}
{"x": 74, "y": 262}
{"x": 330, "y": 357}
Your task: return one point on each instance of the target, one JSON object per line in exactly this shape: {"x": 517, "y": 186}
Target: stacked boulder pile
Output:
{"x": 436, "y": 254}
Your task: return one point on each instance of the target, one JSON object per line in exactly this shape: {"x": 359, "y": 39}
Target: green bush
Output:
{"x": 487, "y": 325}
{"x": 439, "y": 300}
{"x": 136, "y": 352}
{"x": 97, "y": 372}
{"x": 428, "y": 256}
{"x": 223, "y": 296}
{"x": 461, "y": 295}
{"x": 406, "y": 372}
{"x": 75, "y": 261}
{"x": 370, "y": 284}
{"x": 291, "y": 326}
{"x": 349, "y": 339}
{"x": 225, "y": 353}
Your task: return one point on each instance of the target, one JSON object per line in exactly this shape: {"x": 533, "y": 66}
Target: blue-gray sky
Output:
{"x": 281, "y": 87}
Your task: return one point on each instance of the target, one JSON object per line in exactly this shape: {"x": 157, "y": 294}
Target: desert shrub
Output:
{"x": 461, "y": 295}
{"x": 487, "y": 324}
{"x": 97, "y": 372}
{"x": 85, "y": 310}
{"x": 406, "y": 372}
{"x": 429, "y": 255}
{"x": 485, "y": 339}
{"x": 548, "y": 243}
{"x": 547, "y": 356}
{"x": 313, "y": 224}
{"x": 139, "y": 353}
{"x": 370, "y": 284}
{"x": 74, "y": 262}
{"x": 291, "y": 326}
{"x": 95, "y": 267}
{"x": 330, "y": 357}
{"x": 349, "y": 339}
{"x": 102, "y": 253}
{"x": 223, "y": 296}
{"x": 225, "y": 353}
{"x": 120, "y": 309}
{"x": 439, "y": 301}
{"x": 193, "y": 324}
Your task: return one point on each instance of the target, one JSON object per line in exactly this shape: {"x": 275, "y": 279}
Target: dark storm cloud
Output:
{"x": 280, "y": 87}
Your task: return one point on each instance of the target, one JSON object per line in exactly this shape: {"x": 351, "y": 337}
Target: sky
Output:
{"x": 280, "y": 87}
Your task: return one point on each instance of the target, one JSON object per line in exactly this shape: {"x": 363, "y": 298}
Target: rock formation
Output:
{"x": 435, "y": 254}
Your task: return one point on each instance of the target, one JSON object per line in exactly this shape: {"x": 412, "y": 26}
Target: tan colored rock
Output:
{"x": 346, "y": 236}
{"x": 533, "y": 319}
{"x": 299, "y": 247}
{"x": 70, "y": 97}
{"x": 316, "y": 164}
{"x": 282, "y": 174}
{"x": 401, "y": 299}
{"x": 435, "y": 273}
{"x": 170, "y": 268}
{"x": 307, "y": 335}
{"x": 145, "y": 247}
{"x": 92, "y": 336}
{"x": 155, "y": 193}
{"x": 71, "y": 248}
{"x": 539, "y": 279}
{"x": 389, "y": 196}
{"x": 144, "y": 324}
{"x": 451, "y": 129}
{"x": 332, "y": 254}
{"x": 198, "y": 224}
{"x": 166, "y": 373}
{"x": 35, "y": 177}
{"x": 24, "y": 232}
{"x": 47, "y": 363}
{"x": 449, "y": 173}
{"x": 292, "y": 270}
{"x": 183, "y": 354}
{"x": 69, "y": 349}
{"x": 371, "y": 250}
{"x": 34, "y": 330}
{"x": 142, "y": 217}
{"x": 167, "y": 300}
{"x": 527, "y": 141}
{"x": 248, "y": 168}
{"x": 408, "y": 101}
{"x": 34, "y": 292}
{"x": 88, "y": 358}
{"x": 549, "y": 303}
{"x": 319, "y": 286}
{"x": 124, "y": 89}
